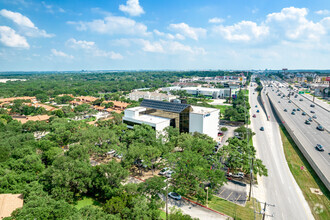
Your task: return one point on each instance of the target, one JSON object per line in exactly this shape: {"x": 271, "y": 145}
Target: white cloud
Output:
{"x": 187, "y": 31}
{"x": 242, "y": 31}
{"x": 80, "y": 44}
{"x": 92, "y": 49}
{"x": 61, "y": 54}
{"x": 216, "y": 20}
{"x": 152, "y": 47}
{"x": 9, "y": 38}
{"x": 132, "y": 7}
{"x": 27, "y": 26}
{"x": 323, "y": 12}
{"x": 113, "y": 25}
{"x": 292, "y": 22}
{"x": 169, "y": 47}
{"x": 17, "y": 18}
{"x": 169, "y": 36}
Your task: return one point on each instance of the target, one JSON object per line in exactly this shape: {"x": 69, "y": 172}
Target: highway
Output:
{"x": 280, "y": 188}
{"x": 323, "y": 115}
{"x": 307, "y": 135}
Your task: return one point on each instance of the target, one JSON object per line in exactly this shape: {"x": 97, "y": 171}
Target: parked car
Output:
{"x": 307, "y": 122}
{"x": 169, "y": 173}
{"x": 319, "y": 147}
{"x": 220, "y": 133}
{"x": 262, "y": 129}
{"x": 320, "y": 128}
{"x": 292, "y": 113}
{"x": 289, "y": 101}
{"x": 111, "y": 152}
{"x": 238, "y": 175}
{"x": 298, "y": 109}
{"x": 164, "y": 171}
{"x": 312, "y": 105}
{"x": 285, "y": 110}
{"x": 300, "y": 99}
{"x": 279, "y": 101}
{"x": 256, "y": 106}
{"x": 313, "y": 112}
{"x": 258, "y": 111}
{"x": 294, "y": 109}
{"x": 310, "y": 119}
{"x": 254, "y": 115}
{"x": 174, "y": 195}
{"x": 314, "y": 116}
{"x": 304, "y": 113}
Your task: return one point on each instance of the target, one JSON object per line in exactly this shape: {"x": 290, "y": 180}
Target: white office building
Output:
{"x": 216, "y": 93}
{"x": 186, "y": 118}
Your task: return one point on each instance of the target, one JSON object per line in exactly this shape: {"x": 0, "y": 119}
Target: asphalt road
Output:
{"x": 323, "y": 116}
{"x": 308, "y": 135}
{"x": 280, "y": 187}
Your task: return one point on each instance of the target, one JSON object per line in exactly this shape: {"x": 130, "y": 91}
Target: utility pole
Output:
{"x": 263, "y": 211}
{"x": 167, "y": 199}
{"x": 251, "y": 179}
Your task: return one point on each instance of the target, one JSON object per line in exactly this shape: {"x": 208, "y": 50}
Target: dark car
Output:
{"x": 279, "y": 101}
{"x": 285, "y": 110}
{"x": 289, "y": 101}
{"x": 312, "y": 112}
{"x": 293, "y": 113}
{"x": 310, "y": 119}
{"x": 307, "y": 122}
{"x": 258, "y": 111}
{"x": 314, "y": 116}
{"x": 320, "y": 128}
{"x": 312, "y": 105}
{"x": 319, "y": 147}
{"x": 294, "y": 109}
{"x": 300, "y": 99}
{"x": 304, "y": 113}
{"x": 254, "y": 115}
{"x": 256, "y": 106}
{"x": 262, "y": 129}
{"x": 298, "y": 109}
{"x": 174, "y": 195}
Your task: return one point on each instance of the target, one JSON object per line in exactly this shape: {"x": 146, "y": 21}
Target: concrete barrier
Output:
{"x": 302, "y": 148}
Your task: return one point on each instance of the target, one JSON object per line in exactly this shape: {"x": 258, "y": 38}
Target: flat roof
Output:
{"x": 148, "y": 119}
{"x": 166, "y": 106}
{"x": 203, "y": 110}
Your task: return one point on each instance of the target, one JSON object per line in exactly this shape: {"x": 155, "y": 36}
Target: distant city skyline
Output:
{"x": 158, "y": 35}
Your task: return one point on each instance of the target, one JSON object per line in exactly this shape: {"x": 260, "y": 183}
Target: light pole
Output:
{"x": 207, "y": 195}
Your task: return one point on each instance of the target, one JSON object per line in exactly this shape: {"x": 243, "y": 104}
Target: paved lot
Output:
{"x": 234, "y": 191}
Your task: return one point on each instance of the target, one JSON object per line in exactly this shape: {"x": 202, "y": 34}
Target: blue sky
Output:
{"x": 164, "y": 34}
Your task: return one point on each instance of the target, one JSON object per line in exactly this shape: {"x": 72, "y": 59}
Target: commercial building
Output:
{"x": 216, "y": 93}
{"x": 136, "y": 95}
{"x": 186, "y": 118}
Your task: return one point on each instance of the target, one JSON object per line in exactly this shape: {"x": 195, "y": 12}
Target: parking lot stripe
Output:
{"x": 229, "y": 195}
{"x": 238, "y": 197}
{"x": 222, "y": 191}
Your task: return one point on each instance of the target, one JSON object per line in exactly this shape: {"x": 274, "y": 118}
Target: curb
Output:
{"x": 195, "y": 202}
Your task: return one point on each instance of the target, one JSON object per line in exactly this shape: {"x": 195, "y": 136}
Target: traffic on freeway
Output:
{"x": 305, "y": 127}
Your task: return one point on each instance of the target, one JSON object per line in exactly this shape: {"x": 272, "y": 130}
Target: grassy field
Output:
{"x": 306, "y": 178}
{"x": 236, "y": 211}
{"x": 222, "y": 108}
{"x": 87, "y": 201}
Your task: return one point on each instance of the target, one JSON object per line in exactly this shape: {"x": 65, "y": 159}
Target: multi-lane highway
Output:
{"x": 323, "y": 115}
{"x": 280, "y": 188}
{"x": 306, "y": 134}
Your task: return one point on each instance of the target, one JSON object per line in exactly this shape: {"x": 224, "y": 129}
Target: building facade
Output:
{"x": 186, "y": 118}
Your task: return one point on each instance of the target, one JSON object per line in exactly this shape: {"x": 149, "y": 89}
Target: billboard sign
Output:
{"x": 327, "y": 78}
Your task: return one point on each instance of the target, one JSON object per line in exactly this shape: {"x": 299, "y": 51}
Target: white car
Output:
{"x": 164, "y": 171}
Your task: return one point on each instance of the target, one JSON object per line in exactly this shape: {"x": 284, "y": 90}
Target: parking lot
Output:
{"x": 234, "y": 191}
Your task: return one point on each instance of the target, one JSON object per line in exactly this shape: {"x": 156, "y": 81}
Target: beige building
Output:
{"x": 8, "y": 203}
{"x": 151, "y": 95}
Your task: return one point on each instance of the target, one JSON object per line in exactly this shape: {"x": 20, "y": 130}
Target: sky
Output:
{"x": 78, "y": 35}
